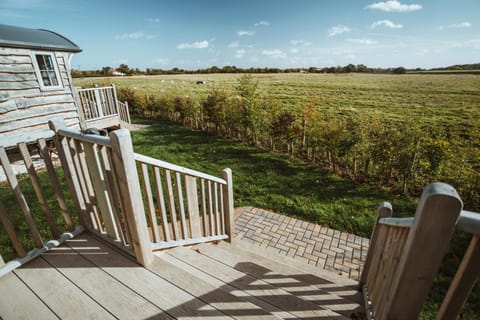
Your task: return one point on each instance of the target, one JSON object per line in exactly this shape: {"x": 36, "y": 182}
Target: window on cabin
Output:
{"x": 47, "y": 71}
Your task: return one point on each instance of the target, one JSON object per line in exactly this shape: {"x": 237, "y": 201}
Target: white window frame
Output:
{"x": 55, "y": 67}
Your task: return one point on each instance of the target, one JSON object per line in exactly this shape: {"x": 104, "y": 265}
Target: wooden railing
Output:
{"x": 405, "y": 255}
{"x": 101, "y": 103}
{"x": 104, "y": 182}
{"x": 48, "y": 223}
{"x": 185, "y": 206}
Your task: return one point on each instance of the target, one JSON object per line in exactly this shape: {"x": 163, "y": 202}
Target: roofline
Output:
{"x": 39, "y": 46}
{"x": 66, "y": 39}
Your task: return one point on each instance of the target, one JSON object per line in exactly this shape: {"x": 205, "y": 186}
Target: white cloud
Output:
{"x": 153, "y": 20}
{"x": 362, "y": 41}
{"x": 239, "y": 53}
{"x": 300, "y": 43}
{"x": 394, "y": 6}
{"x": 242, "y": 33}
{"x": 294, "y": 50}
{"x": 234, "y": 44}
{"x": 338, "y": 29}
{"x": 134, "y": 36}
{"x": 387, "y": 24}
{"x": 422, "y": 52}
{"x": 161, "y": 61}
{"x": 121, "y": 61}
{"x": 465, "y": 24}
{"x": 262, "y": 23}
{"x": 276, "y": 53}
{"x": 194, "y": 45}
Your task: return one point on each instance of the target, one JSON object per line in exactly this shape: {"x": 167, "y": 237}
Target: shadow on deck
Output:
{"x": 87, "y": 278}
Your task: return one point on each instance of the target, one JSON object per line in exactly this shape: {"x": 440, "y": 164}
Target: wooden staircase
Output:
{"x": 88, "y": 278}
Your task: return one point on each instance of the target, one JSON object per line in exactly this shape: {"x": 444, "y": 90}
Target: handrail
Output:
{"x": 397, "y": 222}
{"x": 468, "y": 221}
{"x": 92, "y": 89}
{"x": 90, "y": 138}
{"x": 173, "y": 167}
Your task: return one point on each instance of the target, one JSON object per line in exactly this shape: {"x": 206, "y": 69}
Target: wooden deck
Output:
{"x": 86, "y": 278}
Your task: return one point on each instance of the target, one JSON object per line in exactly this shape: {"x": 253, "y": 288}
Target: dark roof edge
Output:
{"x": 66, "y": 39}
{"x": 39, "y": 46}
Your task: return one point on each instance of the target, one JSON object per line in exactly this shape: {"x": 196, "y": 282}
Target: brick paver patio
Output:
{"x": 340, "y": 252}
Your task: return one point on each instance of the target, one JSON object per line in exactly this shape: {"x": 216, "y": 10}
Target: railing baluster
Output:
{"x": 171, "y": 204}
{"x": 463, "y": 282}
{"x": 9, "y": 228}
{"x": 181, "y": 205}
{"x": 37, "y": 186}
{"x": 216, "y": 208}
{"x": 12, "y": 180}
{"x": 150, "y": 205}
{"x": 192, "y": 201}
{"x": 204, "y": 208}
{"x": 161, "y": 201}
{"x": 210, "y": 209}
{"x": 44, "y": 153}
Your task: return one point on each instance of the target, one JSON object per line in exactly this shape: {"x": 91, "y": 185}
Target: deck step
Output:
{"x": 246, "y": 284}
{"x": 339, "y": 296}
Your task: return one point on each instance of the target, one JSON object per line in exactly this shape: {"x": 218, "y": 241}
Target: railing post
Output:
{"x": 433, "y": 226}
{"x": 98, "y": 102}
{"x": 384, "y": 211}
{"x": 80, "y": 107}
{"x": 130, "y": 194}
{"x": 228, "y": 203}
{"x": 115, "y": 99}
{"x": 462, "y": 283}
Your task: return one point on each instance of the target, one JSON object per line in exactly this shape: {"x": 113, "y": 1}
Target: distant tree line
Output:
{"x": 125, "y": 69}
{"x": 398, "y": 154}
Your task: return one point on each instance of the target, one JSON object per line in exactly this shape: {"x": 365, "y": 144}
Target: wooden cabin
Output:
{"x": 35, "y": 83}
{"x": 36, "y": 86}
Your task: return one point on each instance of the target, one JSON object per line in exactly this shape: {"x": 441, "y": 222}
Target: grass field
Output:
{"x": 447, "y": 100}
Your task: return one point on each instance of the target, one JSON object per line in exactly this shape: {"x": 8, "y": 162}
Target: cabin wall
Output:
{"x": 24, "y": 108}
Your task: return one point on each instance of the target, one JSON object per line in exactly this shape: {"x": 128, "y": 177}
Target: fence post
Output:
{"x": 433, "y": 226}
{"x": 130, "y": 194}
{"x": 226, "y": 174}
{"x": 384, "y": 211}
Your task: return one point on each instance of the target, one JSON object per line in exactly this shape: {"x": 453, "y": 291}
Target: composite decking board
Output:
{"x": 274, "y": 254}
{"x": 279, "y": 275}
{"x": 341, "y": 286}
{"x": 332, "y": 283}
{"x": 208, "y": 289}
{"x": 271, "y": 309}
{"x": 17, "y": 301}
{"x": 62, "y": 296}
{"x": 277, "y": 297}
{"x": 173, "y": 300}
{"x": 121, "y": 301}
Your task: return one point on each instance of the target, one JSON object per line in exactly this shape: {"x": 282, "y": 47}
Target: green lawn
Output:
{"x": 271, "y": 181}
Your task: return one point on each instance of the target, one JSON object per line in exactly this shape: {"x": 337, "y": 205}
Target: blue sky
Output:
{"x": 193, "y": 34}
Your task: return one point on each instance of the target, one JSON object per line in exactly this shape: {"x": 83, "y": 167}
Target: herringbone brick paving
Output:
{"x": 340, "y": 252}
